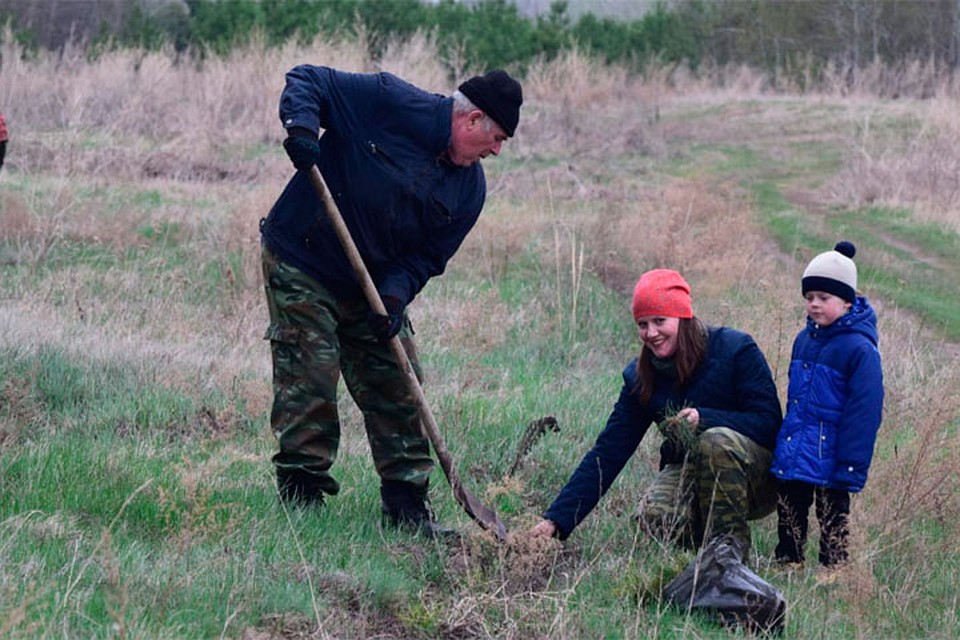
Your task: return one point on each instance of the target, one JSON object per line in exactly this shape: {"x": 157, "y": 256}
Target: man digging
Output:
{"x": 403, "y": 166}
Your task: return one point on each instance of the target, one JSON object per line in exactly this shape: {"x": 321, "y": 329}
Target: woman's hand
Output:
{"x": 544, "y": 529}
{"x": 691, "y": 415}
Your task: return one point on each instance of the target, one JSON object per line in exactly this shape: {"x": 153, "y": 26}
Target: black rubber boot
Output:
{"x": 299, "y": 488}
{"x": 406, "y": 506}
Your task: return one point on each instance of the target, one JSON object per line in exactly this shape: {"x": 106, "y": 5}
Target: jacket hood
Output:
{"x": 860, "y": 319}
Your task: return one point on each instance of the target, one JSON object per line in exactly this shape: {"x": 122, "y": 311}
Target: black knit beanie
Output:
{"x": 498, "y": 95}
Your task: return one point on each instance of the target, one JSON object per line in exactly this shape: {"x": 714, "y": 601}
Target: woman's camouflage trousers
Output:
{"x": 716, "y": 491}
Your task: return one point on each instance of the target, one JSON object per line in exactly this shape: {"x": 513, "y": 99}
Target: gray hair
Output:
{"x": 462, "y": 104}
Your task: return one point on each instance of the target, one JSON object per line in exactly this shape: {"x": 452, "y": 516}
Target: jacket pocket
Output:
{"x": 440, "y": 212}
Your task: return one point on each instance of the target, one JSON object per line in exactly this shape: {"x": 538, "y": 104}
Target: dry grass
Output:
{"x": 586, "y": 178}
{"x": 917, "y": 170}
{"x": 144, "y": 114}
{"x": 561, "y": 114}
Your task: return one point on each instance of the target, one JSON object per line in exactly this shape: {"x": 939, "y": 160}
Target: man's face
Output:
{"x": 474, "y": 136}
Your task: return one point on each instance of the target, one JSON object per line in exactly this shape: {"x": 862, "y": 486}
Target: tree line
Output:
{"x": 774, "y": 35}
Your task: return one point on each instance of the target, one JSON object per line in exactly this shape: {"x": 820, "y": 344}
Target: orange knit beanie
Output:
{"x": 662, "y": 292}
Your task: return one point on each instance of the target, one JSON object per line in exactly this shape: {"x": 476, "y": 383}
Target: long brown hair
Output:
{"x": 691, "y": 350}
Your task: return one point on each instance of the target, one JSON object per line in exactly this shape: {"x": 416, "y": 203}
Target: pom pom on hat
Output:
{"x": 662, "y": 292}
{"x": 497, "y": 95}
{"x": 833, "y": 272}
{"x": 846, "y": 248}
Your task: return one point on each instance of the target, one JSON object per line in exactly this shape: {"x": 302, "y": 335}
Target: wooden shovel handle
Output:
{"x": 483, "y": 515}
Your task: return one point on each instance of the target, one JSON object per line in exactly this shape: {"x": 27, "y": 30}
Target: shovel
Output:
{"x": 484, "y": 516}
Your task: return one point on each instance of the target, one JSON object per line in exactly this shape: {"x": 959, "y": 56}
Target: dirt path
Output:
{"x": 797, "y": 150}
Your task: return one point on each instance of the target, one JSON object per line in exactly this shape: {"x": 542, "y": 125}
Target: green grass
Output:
{"x": 136, "y": 493}
{"x": 909, "y": 263}
{"x": 165, "y": 553}
{"x": 120, "y": 518}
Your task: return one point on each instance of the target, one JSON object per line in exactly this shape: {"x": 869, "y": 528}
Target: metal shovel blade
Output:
{"x": 482, "y": 515}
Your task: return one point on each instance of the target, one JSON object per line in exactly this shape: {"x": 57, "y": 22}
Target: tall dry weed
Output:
{"x": 416, "y": 60}
{"x": 916, "y": 168}
{"x": 150, "y": 113}
{"x": 912, "y": 78}
{"x": 916, "y": 478}
{"x": 709, "y": 82}
{"x": 565, "y": 95}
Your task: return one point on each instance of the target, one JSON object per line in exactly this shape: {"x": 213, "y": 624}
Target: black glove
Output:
{"x": 303, "y": 147}
{"x": 385, "y": 327}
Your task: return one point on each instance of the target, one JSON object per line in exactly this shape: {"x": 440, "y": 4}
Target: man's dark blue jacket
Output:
{"x": 383, "y": 158}
{"x": 732, "y": 388}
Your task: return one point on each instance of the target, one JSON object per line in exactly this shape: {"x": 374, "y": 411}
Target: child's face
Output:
{"x": 824, "y": 308}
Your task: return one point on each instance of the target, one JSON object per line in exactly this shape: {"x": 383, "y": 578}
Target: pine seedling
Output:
{"x": 678, "y": 430}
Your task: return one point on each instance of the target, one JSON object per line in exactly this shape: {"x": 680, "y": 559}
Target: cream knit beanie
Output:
{"x": 833, "y": 272}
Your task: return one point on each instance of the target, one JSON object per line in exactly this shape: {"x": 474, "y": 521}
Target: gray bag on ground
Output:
{"x": 719, "y": 584}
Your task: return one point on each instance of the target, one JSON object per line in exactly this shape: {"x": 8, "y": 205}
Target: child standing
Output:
{"x": 834, "y": 406}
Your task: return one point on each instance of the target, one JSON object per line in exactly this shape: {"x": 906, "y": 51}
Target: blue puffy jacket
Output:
{"x": 732, "y": 388}
{"x": 383, "y": 158}
{"x": 834, "y": 403}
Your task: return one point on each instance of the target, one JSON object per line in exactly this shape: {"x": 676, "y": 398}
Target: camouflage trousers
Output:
{"x": 314, "y": 338}
{"x": 715, "y": 491}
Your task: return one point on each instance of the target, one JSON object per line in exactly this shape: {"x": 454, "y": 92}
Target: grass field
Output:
{"x": 136, "y": 494}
